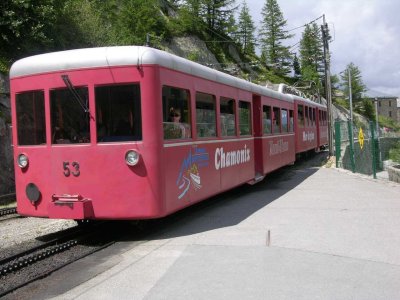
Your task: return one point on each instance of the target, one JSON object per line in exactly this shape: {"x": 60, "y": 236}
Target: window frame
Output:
{"x": 206, "y": 134}
{"x": 132, "y": 117}
{"x": 34, "y": 124}
{"x": 227, "y": 99}
{"x": 185, "y": 129}
{"x": 250, "y": 121}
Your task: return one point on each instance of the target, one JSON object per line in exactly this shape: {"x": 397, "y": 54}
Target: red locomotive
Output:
{"x": 135, "y": 133}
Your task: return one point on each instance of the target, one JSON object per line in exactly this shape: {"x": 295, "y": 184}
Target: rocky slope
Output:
{"x": 6, "y": 156}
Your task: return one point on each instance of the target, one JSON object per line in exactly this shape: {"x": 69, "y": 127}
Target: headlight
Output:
{"x": 23, "y": 161}
{"x": 132, "y": 157}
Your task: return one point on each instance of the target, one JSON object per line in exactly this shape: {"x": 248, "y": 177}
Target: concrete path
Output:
{"x": 314, "y": 233}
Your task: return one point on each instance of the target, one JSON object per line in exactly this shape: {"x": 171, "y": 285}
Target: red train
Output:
{"x": 134, "y": 133}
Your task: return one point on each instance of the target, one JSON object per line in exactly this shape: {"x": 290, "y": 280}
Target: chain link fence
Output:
{"x": 360, "y": 149}
{"x": 357, "y": 148}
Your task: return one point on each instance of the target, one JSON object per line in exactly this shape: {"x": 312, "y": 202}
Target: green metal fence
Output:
{"x": 357, "y": 148}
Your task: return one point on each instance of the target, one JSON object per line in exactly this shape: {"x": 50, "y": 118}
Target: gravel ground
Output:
{"x": 15, "y": 231}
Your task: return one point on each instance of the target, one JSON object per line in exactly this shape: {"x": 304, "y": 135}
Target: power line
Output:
{"x": 305, "y": 24}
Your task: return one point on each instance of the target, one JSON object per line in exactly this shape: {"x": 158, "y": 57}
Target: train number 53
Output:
{"x": 71, "y": 169}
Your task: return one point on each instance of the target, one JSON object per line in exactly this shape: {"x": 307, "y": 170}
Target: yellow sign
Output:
{"x": 361, "y": 138}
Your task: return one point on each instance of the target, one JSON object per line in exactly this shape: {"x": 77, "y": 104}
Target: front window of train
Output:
{"x": 69, "y": 120}
{"x": 118, "y": 113}
{"x": 31, "y": 127}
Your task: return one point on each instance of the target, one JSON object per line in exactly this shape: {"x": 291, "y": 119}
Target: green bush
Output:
{"x": 394, "y": 153}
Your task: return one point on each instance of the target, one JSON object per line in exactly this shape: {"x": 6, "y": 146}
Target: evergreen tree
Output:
{"x": 296, "y": 67}
{"x": 137, "y": 19}
{"x": 311, "y": 54}
{"x": 246, "y": 30}
{"x": 271, "y": 35}
{"x": 232, "y": 28}
{"x": 216, "y": 13}
{"x": 357, "y": 85}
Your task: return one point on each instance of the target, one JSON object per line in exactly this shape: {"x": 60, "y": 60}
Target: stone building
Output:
{"x": 389, "y": 107}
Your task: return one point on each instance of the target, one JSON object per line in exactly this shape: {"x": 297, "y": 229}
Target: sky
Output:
{"x": 364, "y": 32}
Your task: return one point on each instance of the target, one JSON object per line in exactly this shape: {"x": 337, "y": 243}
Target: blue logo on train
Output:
{"x": 189, "y": 173}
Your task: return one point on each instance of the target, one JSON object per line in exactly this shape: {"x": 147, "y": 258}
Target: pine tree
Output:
{"x": 296, "y": 67}
{"x": 357, "y": 85}
{"x": 272, "y": 34}
{"x": 216, "y": 14}
{"x": 311, "y": 54}
{"x": 246, "y": 30}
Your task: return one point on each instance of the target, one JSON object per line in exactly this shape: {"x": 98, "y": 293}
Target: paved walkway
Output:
{"x": 332, "y": 235}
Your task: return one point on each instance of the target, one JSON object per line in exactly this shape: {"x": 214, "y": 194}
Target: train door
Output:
{"x": 258, "y": 146}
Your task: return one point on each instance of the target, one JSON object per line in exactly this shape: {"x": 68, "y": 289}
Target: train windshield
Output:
{"x": 118, "y": 113}
{"x": 69, "y": 122}
{"x": 31, "y": 125}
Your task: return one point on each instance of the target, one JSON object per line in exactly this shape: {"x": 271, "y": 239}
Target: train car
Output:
{"x": 135, "y": 133}
{"x": 322, "y": 125}
{"x": 305, "y": 124}
{"x": 274, "y": 133}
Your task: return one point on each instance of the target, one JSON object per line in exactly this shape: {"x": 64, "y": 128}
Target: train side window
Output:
{"x": 284, "y": 118}
{"x": 276, "y": 120}
{"x": 291, "y": 121}
{"x": 227, "y": 114}
{"x": 244, "y": 118}
{"x": 205, "y": 115}
{"x": 69, "y": 121}
{"x": 31, "y": 125}
{"x": 118, "y": 113}
{"x": 176, "y": 113}
{"x": 300, "y": 116}
{"x": 267, "y": 120}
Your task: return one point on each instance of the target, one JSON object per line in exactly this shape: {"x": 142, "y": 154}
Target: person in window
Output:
{"x": 175, "y": 129}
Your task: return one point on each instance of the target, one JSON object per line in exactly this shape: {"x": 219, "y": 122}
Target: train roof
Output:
{"x": 308, "y": 101}
{"x": 129, "y": 55}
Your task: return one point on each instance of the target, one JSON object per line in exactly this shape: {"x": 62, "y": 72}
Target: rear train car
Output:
{"x": 135, "y": 133}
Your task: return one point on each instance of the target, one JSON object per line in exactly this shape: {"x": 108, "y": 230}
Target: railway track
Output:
{"x": 8, "y": 211}
{"x": 20, "y": 269}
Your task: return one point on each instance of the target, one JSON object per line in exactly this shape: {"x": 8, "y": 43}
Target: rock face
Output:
{"x": 192, "y": 48}
{"x": 6, "y": 156}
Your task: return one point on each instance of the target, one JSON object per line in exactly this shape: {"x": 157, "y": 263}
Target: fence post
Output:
{"x": 338, "y": 143}
{"x": 374, "y": 162}
{"x": 350, "y": 128}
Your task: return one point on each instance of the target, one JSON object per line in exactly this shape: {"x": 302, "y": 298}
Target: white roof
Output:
{"x": 126, "y": 56}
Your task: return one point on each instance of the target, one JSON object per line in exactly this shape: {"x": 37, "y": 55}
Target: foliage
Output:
{"x": 296, "y": 67}
{"x": 357, "y": 85}
{"x": 394, "y": 153}
{"x": 388, "y": 123}
{"x": 311, "y": 54}
{"x": 342, "y": 102}
{"x": 245, "y": 30}
{"x": 366, "y": 108}
{"x": 272, "y": 35}
{"x": 25, "y": 27}
{"x": 213, "y": 15}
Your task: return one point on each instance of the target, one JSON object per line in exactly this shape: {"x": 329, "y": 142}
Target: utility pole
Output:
{"x": 328, "y": 90}
{"x": 350, "y": 95}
